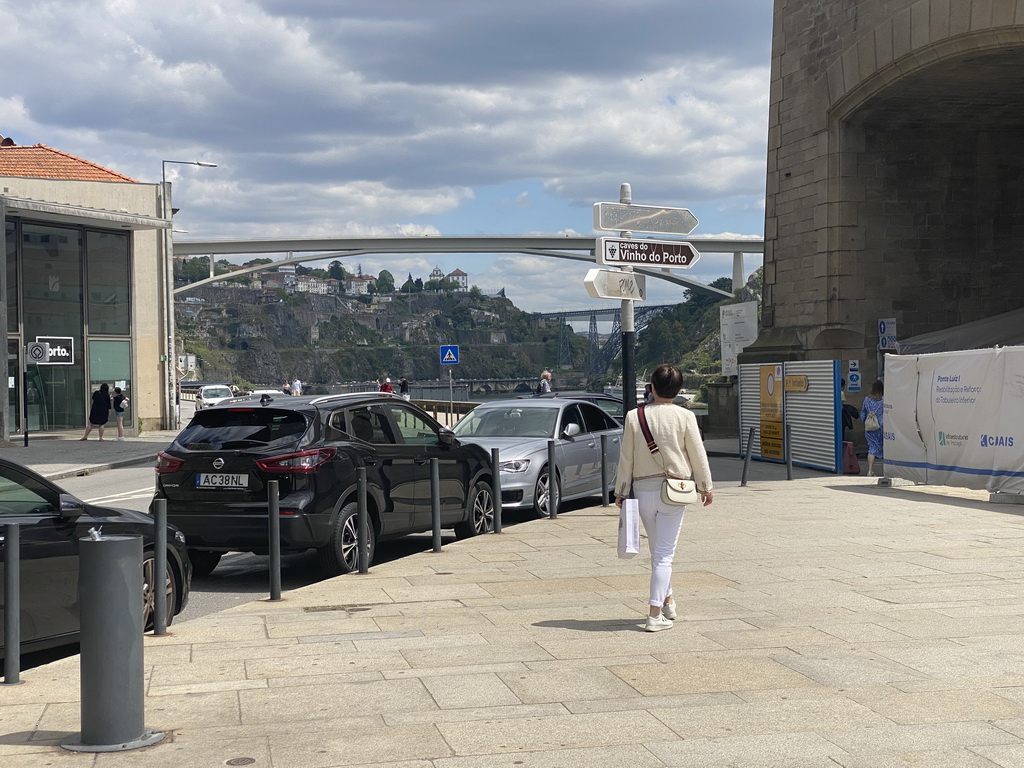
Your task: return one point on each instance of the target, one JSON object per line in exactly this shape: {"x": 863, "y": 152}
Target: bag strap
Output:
{"x": 652, "y": 446}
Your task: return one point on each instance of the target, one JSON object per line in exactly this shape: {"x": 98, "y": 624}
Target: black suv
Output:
{"x": 215, "y": 473}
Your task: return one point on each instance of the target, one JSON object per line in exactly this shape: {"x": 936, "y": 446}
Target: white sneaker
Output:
{"x": 669, "y": 611}
{"x": 657, "y": 623}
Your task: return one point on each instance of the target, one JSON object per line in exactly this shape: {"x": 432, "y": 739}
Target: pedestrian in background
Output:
{"x": 120, "y": 403}
{"x": 678, "y": 439}
{"x": 99, "y": 412}
{"x": 286, "y": 387}
{"x": 386, "y": 386}
{"x": 872, "y": 413}
{"x": 296, "y": 386}
{"x": 403, "y": 388}
{"x": 544, "y": 386}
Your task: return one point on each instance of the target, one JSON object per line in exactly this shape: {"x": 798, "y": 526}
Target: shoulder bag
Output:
{"x": 674, "y": 490}
{"x": 871, "y": 423}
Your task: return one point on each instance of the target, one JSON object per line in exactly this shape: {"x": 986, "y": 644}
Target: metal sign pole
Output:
{"x": 628, "y": 328}
{"x": 451, "y": 398}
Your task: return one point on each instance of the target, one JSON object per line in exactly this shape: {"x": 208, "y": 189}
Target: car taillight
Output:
{"x": 166, "y": 463}
{"x": 300, "y": 462}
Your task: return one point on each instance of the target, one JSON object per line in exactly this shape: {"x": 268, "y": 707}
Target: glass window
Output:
{"x": 371, "y": 426}
{"x": 226, "y": 428}
{"x": 571, "y": 415}
{"x": 24, "y": 495}
{"x": 597, "y": 420}
{"x": 414, "y": 429}
{"x": 110, "y": 362}
{"x": 51, "y": 294}
{"x": 12, "y": 277}
{"x": 106, "y": 258}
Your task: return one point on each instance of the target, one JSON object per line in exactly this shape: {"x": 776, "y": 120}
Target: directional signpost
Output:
{"x": 644, "y": 218}
{"x": 624, "y": 252}
{"x": 616, "y": 252}
{"x": 615, "y": 284}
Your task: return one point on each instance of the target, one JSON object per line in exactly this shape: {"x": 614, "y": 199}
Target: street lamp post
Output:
{"x": 171, "y": 412}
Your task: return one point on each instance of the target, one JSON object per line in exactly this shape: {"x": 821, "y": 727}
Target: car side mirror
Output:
{"x": 446, "y": 437}
{"x": 571, "y": 430}
{"x": 70, "y": 507}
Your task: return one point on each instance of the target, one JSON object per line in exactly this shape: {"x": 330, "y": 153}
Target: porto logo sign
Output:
{"x": 62, "y": 349}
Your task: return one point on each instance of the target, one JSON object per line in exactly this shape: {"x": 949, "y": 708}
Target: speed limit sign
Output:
{"x": 37, "y": 352}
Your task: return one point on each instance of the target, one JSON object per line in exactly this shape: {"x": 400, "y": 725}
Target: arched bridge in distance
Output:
{"x": 576, "y": 248}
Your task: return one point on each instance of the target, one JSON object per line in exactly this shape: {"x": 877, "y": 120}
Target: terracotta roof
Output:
{"x": 456, "y": 272}
{"x": 42, "y": 162}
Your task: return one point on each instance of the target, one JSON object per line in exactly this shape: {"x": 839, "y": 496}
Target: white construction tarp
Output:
{"x": 956, "y": 418}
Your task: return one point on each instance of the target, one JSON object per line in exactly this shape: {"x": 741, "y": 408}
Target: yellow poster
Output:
{"x": 772, "y": 383}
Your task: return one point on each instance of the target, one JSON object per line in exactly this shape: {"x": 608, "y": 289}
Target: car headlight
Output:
{"x": 516, "y": 465}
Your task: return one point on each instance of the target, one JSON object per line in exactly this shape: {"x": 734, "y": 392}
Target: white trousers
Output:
{"x": 662, "y": 523}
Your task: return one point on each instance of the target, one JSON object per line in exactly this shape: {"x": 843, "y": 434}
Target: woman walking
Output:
{"x": 682, "y": 453}
{"x": 872, "y": 414}
{"x": 99, "y": 412}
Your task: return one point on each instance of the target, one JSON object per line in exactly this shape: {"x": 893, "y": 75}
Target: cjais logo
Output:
{"x": 996, "y": 441}
{"x": 947, "y": 438}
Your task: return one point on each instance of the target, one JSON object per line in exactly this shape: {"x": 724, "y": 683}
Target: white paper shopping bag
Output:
{"x": 629, "y": 529}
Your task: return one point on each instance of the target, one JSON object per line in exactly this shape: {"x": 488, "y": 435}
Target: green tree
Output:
{"x": 385, "y": 282}
{"x": 335, "y": 271}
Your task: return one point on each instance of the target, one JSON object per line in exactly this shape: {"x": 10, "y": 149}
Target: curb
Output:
{"x": 94, "y": 468}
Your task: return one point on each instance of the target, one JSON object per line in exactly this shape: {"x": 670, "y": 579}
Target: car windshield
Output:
{"x": 211, "y": 392}
{"x": 223, "y": 428}
{"x": 512, "y": 421}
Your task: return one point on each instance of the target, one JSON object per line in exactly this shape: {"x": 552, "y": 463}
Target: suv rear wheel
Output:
{"x": 341, "y": 554}
{"x": 481, "y": 512}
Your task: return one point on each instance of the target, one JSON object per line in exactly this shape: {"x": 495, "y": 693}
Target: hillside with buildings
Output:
{"x": 328, "y": 328}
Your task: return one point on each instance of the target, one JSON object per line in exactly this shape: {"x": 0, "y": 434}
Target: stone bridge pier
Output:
{"x": 895, "y": 183}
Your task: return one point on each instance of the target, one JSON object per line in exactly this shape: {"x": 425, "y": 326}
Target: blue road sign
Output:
{"x": 449, "y": 354}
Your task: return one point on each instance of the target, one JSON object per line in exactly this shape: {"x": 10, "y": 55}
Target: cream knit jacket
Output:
{"x": 675, "y": 431}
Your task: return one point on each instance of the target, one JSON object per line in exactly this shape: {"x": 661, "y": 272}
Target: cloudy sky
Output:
{"x": 409, "y": 117}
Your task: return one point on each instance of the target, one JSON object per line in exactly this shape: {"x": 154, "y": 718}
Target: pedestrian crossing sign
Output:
{"x": 449, "y": 354}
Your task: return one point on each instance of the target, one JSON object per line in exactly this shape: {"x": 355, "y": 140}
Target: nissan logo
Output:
{"x": 218, "y": 463}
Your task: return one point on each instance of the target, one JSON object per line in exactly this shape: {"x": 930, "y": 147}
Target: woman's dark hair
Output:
{"x": 878, "y": 388}
{"x": 667, "y": 381}
{"x": 104, "y": 387}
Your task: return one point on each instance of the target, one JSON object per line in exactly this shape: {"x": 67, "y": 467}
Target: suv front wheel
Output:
{"x": 341, "y": 554}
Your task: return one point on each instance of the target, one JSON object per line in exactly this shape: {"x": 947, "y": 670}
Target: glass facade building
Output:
{"x": 69, "y": 286}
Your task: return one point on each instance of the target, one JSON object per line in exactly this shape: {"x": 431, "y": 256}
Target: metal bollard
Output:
{"x": 435, "y": 503}
{"x": 160, "y": 568}
{"x": 362, "y": 520}
{"x": 274, "y": 533}
{"x": 604, "y": 470}
{"x": 112, "y": 676}
{"x": 12, "y": 604}
{"x": 552, "y": 482}
{"x": 789, "y": 451}
{"x": 496, "y": 488}
{"x": 746, "y": 457}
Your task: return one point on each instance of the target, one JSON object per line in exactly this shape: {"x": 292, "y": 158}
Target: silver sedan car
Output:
{"x": 521, "y": 429}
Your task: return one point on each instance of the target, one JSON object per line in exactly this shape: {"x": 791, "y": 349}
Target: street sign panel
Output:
{"x": 615, "y": 284}
{"x": 615, "y": 252}
{"x": 887, "y": 334}
{"x": 38, "y": 352}
{"x": 449, "y": 354}
{"x": 62, "y": 349}
{"x": 644, "y": 218}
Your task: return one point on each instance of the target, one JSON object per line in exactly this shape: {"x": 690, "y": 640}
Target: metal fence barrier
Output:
{"x": 552, "y": 482}
{"x": 362, "y": 521}
{"x": 435, "y": 503}
{"x": 274, "y": 534}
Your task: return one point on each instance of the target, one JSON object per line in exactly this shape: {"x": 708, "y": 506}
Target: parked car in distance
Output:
{"x": 51, "y": 523}
{"x": 212, "y": 394}
{"x": 608, "y": 403}
{"x": 521, "y": 429}
{"x": 214, "y": 476}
